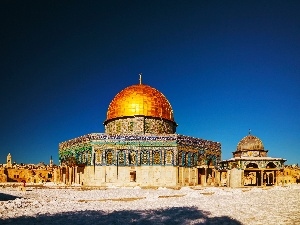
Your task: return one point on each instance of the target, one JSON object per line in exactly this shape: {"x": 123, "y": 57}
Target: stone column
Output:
{"x": 61, "y": 175}
{"x": 235, "y": 178}
{"x": 205, "y": 179}
{"x": 70, "y": 175}
{"x": 76, "y": 177}
{"x": 67, "y": 175}
{"x": 55, "y": 175}
{"x": 182, "y": 176}
{"x": 189, "y": 175}
{"x": 195, "y": 175}
{"x": 73, "y": 174}
{"x": 79, "y": 178}
{"x": 217, "y": 179}
{"x": 228, "y": 174}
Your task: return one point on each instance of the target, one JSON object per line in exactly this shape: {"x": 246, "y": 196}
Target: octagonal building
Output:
{"x": 140, "y": 147}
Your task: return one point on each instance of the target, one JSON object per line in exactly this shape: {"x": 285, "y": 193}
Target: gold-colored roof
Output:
{"x": 140, "y": 99}
{"x": 250, "y": 142}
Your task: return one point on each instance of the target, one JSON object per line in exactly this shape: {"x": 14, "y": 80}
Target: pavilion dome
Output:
{"x": 250, "y": 142}
{"x": 142, "y": 100}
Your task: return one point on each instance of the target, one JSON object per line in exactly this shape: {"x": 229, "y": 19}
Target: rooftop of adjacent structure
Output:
{"x": 251, "y": 158}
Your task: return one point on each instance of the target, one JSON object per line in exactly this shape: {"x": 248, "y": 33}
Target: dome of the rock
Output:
{"x": 142, "y": 100}
{"x": 250, "y": 142}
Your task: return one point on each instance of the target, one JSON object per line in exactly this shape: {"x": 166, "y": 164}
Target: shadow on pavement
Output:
{"x": 172, "y": 216}
{"x": 6, "y": 197}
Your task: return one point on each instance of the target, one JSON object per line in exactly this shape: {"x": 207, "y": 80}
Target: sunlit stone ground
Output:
{"x": 61, "y": 205}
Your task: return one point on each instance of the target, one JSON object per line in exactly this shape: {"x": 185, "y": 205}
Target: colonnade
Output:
{"x": 70, "y": 175}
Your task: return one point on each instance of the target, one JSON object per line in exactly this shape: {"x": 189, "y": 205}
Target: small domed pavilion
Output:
{"x": 250, "y": 165}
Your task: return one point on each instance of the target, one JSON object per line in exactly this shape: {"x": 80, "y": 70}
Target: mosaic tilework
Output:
{"x": 115, "y": 138}
{"x": 140, "y": 125}
{"x": 140, "y": 150}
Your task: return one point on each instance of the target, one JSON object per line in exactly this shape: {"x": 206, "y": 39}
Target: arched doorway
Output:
{"x": 252, "y": 175}
{"x": 271, "y": 165}
{"x": 252, "y": 165}
{"x": 271, "y": 179}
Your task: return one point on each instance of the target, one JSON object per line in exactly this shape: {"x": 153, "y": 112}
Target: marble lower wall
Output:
{"x": 143, "y": 176}
{"x": 163, "y": 176}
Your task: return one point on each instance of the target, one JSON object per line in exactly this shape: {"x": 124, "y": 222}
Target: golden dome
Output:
{"x": 140, "y": 99}
{"x": 250, "y": 142}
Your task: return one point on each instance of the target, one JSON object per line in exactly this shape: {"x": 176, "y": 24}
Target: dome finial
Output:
{"x": 140, "y": 78}
{"x": 249, "y": 131}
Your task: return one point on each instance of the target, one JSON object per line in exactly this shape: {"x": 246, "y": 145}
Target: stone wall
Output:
{"x": 129, "y": 176}
{"x": 29, "y": 175}
{"x": 3, "y": 176}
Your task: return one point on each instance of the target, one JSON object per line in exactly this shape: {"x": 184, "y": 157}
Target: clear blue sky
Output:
{"x": 224, "y": 66}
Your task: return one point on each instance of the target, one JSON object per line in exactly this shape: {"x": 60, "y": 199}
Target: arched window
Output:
{"x": 195, "y": 159}
{"x": 121, "y": 158}
{"x": 145, "y": 157}
{"x": 192, "y": 159}
{"x": 98, "y": 156}
{"x": 183, "y": 159}
{"x": 89, "y": 156}
{"x": 169, "y": 157}
{"x": 252, "y": 165}
{"x": 188, "y": 159}
{"x": 271, "y": 165}
{"x": 109, "y": 157}
{"x": 132, "y": 157}
{"x": 180, "y": 158}
{"x": 83, "y": 157}
{"x": 156, "y": 157}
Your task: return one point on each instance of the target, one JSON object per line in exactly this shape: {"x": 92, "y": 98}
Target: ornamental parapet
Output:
{"x": 138, "y": 139}
{"x": 106, "y": 138}
{"x": 185, "y": 150}
{"x": 202, "y": 145}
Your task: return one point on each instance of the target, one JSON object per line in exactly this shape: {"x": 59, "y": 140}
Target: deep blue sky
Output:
{"x": 224, "y": 66}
